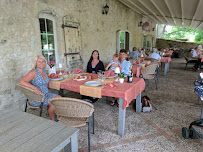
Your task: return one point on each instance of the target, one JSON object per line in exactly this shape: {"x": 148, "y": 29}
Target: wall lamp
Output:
{"x": 105, "y": 9}
{"x": 140, "y": 24}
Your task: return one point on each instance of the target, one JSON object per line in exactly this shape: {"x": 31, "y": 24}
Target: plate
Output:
{"x": 109, "y": 77}
{"x": 79, "y": 74}
{"x": 57, "y": 78}
{"x": 82, "y": 78}
{"x": 93, "y": 83}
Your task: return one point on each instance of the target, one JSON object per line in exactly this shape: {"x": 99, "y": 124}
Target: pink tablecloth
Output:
{"x": 127, "y": 91}
{"x": 168, "y": 54}
{"x": 171, "y": 52}
{"x": 138, "y": 68}
{"x": 165, "y": 59}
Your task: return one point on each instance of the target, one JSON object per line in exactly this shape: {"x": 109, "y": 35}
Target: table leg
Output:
{"x": 166, "y": 69}
{"x": 121, "y": 118}
{"x": 61, "y": 92}
{"x": 199, "y": 100}
{"x": 138, "y": 103}
{"x": 73, "y": 145}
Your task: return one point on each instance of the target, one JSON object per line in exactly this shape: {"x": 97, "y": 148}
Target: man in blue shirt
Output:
{"x": 134, "y": 54}
{"x": 125, "y": 64}
{"x": 125, "y": 69}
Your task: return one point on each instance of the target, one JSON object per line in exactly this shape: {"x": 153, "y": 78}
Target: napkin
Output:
{"x": 110, "y": 85}
{"x": 109, "y": 73}
{"x": 77, "y": 71}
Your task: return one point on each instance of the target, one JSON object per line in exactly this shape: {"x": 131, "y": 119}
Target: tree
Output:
{"x": 184, "y": 33}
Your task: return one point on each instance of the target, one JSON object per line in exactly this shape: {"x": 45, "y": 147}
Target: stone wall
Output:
{"x": 162, "y": 43}
{"x": 19, "y": 22}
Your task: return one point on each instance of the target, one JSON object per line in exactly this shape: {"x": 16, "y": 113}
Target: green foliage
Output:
{"x": 121, "y": 75}
{"x": 199, "y": 37}
{"x": 184, "y": 33}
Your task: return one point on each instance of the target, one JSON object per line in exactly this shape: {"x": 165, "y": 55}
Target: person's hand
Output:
{"x": 37, "y": 91}
{"x": 106, "y": 69}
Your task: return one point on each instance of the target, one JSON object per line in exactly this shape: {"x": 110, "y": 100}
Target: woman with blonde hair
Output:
{"x": 38, "y": 80}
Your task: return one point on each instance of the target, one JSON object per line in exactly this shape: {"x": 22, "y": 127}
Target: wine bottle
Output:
{"x": 130, "y": 77}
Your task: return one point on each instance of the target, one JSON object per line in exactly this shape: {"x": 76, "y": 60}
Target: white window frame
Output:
{"x": 49, "y": 17}
{"x": 118, "y": 39}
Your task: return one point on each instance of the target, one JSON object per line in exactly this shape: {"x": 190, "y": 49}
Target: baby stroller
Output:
{"x": 191, "y": 132}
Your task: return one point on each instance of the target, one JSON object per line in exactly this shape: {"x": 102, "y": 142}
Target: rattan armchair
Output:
{"x": 74, "y": 112}
{"x": 31, "y": 95}
{"x": 149, "y": 72}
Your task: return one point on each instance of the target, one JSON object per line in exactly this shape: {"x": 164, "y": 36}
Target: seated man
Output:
{"x": 155, "y": 55}
{"x": 134, "y": 54}
{"x": 196, "y": 54}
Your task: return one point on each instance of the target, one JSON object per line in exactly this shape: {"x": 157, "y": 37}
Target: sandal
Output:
{"x": 112, "y": 103}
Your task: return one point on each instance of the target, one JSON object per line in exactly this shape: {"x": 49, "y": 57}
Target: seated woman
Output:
{"x": 93, "y": 66}
{"x": 38, "y": 80}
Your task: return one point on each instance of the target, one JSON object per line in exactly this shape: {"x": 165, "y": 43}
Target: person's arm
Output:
{"x": 108, "y": 66}
{"x": 102, "y": 66}
{"x": 26, "y": 81}
{"x": 89, "y": 68}
{"x": 125, "y": 68}
{"x": 119, "y": 65}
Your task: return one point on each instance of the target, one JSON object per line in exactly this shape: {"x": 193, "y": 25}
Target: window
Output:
{"x": 48, "y": 37}
{"x": 123, "y": 40}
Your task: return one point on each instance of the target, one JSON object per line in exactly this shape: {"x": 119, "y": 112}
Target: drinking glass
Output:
{"x": 99, "y": 75}
{"x": 65, "y": 72}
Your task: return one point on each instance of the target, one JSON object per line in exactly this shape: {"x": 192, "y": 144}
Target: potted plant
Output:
{"x": 121, "y": 77}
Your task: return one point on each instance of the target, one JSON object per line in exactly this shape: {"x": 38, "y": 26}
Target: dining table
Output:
{"x": 21, "y": 131}
{"x": 126, "y": 92}
{"x": 169, "y": 54}
{"x": 166, "y": 61}
{"x": 137, "y": 67}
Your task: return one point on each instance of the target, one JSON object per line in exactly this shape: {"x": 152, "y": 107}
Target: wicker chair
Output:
{"x": 157, "y": 63}
{"x": 149, "y": 72}
{"x": 74, "y": 112}
{"x": 31, "y": 95}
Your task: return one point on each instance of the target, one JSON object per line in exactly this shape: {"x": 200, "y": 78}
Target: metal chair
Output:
{"x": 74, "y": 112}
{"x": 31, "y": 95}
{"x": 149, "y": 72}
{"x": 189, "y": 61}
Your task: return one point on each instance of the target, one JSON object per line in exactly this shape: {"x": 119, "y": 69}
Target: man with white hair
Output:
{"x": 196, "y": 55}
{"x": 155, "y": 55}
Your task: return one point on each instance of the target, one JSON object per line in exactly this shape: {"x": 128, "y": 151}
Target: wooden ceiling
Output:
{"x": 184, "y": 13}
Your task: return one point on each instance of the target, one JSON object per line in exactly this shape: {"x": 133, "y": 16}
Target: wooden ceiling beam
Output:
{"x": 167, "y": 4}
{"x": 198, "y": 7}
{"x": 143, "y": 12}
{"x": 182, "y": 11}
{"x": 160, "y": 11}
{"x": 136, "y": 10}
{"x": 151, "y": 11}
